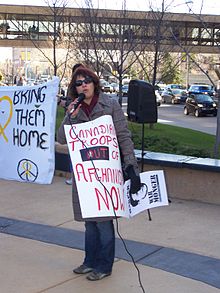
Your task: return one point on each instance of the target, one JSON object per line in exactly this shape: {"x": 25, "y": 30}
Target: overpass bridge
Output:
{"x": 26, "y": 26}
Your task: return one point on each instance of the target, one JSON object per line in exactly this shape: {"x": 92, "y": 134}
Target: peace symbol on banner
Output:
{"x": 27, "y": 170}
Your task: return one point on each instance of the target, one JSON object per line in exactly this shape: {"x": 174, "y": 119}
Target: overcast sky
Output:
{"x": 209, "y": 6}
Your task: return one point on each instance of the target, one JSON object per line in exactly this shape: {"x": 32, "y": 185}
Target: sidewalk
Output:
{"x": 40, "y": 244}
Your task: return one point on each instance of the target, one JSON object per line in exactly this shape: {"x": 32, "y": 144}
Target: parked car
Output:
{"x": 174, "y": 96}
{"x": 173, "y": 86}
{"x": 158, "y": 98}
{"x": 202, "y": 89}
{"x": 107, "y": 88}
{"x": 114, "y": 86}
{"x": 159, "y": 87}
{"x": 124, "y": 90}
{"x": 200, "y": 104}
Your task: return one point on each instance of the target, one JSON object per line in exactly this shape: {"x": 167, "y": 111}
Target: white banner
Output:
{"x": 27, "y": 132}
{"x": 153, "y": 193}
{"x": 95, "y": 157}
{"x": 100, "y": 180}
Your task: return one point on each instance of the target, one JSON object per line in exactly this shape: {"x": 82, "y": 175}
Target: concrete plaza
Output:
{"x": 40, "y": 244}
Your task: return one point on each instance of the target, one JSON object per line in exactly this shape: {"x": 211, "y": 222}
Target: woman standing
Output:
{"x": 99, "y": 232}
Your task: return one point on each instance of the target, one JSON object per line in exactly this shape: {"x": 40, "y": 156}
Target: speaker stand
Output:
{"x": 142, "y": 163}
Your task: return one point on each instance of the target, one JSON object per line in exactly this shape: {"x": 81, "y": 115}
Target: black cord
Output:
{"x": 115, "y": 216}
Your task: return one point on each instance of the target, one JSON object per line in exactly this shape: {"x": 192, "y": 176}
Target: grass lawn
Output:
{"x": 167, "y": 139}
{"x": 174, "y": 140}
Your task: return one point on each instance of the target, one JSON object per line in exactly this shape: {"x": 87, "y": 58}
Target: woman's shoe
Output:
{"x": 83, "y": 269}
{"x": 96, "y": 276}
{"x": 69, "y": 181}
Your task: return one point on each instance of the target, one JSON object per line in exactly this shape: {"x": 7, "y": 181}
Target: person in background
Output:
{"x": 99, "y": 232}
{"x": 64, "y": 103}
{"x": 64, "y": 99}
{"x": 20, "y": 81}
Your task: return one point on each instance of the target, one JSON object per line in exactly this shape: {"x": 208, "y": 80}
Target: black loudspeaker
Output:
{"x": 142, "y": 104}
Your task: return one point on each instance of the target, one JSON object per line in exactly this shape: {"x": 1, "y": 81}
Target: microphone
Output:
{"x": 81, "y": 97}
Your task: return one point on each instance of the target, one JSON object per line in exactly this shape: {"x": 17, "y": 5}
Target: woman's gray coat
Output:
{"x": 105, "y": 106}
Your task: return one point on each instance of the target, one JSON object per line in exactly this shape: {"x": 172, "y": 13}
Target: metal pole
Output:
{"x": 54, "y": 39}
{"x": 187, "y": 70}
{"x": 142, "y": 163}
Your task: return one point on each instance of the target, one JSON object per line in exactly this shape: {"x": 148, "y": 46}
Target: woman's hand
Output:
{"x": 73, "y": 113}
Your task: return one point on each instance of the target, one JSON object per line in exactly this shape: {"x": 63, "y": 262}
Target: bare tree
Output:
{"x": 85, "y": 46}
{"x": 107, "y": 41}
{"x": 56, "y": 32}
{"x": 159, "y": 43}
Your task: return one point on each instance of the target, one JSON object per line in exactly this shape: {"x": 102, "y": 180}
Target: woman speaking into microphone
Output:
{"x": 90, "y": 103}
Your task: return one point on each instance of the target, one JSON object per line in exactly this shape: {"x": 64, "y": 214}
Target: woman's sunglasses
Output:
{"x": 87, "y": 80}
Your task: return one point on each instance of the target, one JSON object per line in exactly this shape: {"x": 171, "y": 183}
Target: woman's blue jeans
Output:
{"x": 99, "y": 245}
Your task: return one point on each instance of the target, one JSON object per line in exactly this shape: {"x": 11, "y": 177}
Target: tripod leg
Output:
{"x": 149, "y": 215}
{"x": 142, "y": 163}
{"x": 142, "y": 149}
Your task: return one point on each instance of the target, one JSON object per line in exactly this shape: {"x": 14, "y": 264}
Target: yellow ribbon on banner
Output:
{"x": 3, "y": 127}
{"x": 27, "y": 168}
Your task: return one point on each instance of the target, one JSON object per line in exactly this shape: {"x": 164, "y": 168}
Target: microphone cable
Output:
{"x": 115, "y": 216}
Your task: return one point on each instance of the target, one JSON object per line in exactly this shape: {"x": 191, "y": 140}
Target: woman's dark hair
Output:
{"x": 76, "y": 66}
{"x": 85, "y": 72}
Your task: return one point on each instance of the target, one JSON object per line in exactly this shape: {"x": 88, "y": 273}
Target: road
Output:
{"x": 173, "y": 115}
